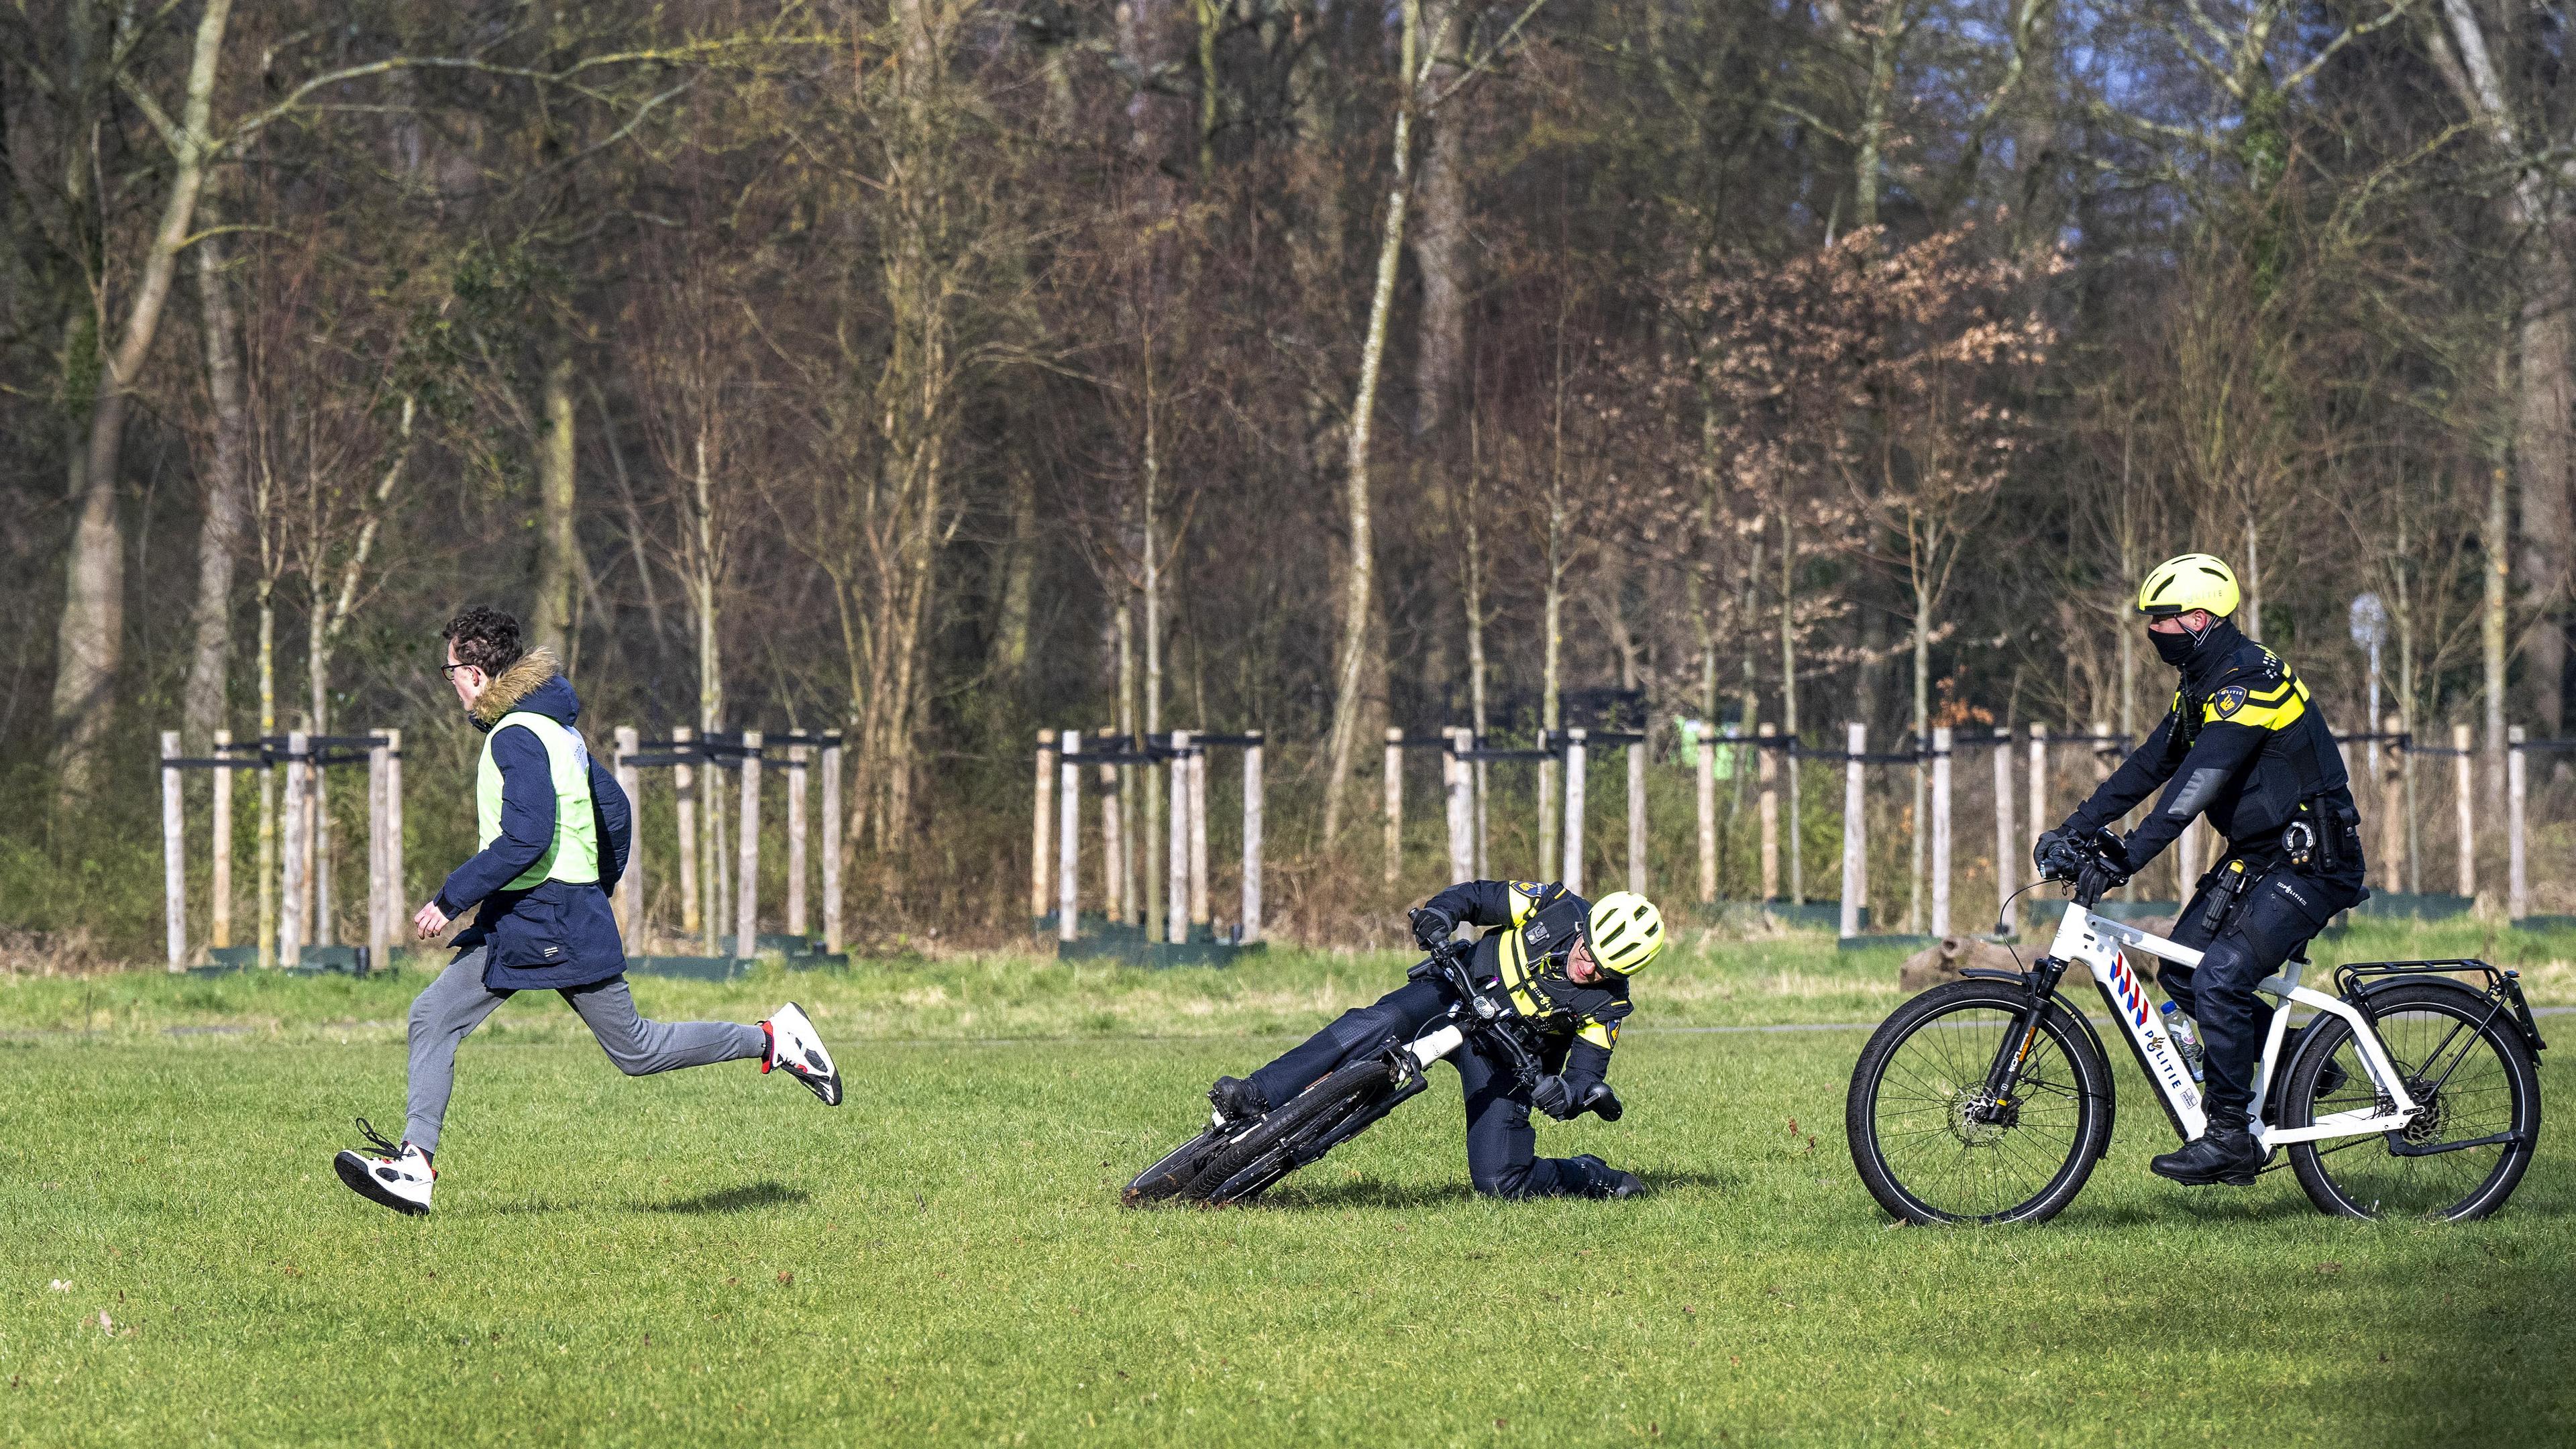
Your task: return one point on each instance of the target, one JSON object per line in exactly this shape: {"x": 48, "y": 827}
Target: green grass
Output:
{"x": 713, "y": 1257}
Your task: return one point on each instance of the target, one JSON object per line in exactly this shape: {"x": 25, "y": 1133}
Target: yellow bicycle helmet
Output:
{"x": 2193, "y": 581}
{"x": 1626, "y": 932}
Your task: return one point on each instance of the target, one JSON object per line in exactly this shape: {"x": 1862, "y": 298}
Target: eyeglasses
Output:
{"x": 449, "y": 670}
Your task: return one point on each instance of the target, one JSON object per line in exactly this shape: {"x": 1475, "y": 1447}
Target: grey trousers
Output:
{"x": 456, "y": 1003}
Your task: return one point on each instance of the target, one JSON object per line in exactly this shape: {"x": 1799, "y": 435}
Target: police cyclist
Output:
{"x": 2246, "y": 746}
{"x": 1559, "y": 965}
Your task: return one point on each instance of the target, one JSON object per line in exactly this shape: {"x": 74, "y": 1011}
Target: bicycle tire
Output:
{"x": 1346, "y": 1087}
{"x": 2488, "y": 1085}
{"x": 1934, "y": 1135}
{"x": 1171, "y": 1172}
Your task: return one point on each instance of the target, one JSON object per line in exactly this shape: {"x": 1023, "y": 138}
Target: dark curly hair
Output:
{"x": 485, "y": 638}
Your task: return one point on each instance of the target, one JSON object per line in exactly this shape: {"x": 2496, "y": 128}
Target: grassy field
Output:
{"x": 712, "y": 1256}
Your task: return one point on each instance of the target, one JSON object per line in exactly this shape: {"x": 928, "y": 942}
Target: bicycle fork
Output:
{"x": 2003, "y": 1075}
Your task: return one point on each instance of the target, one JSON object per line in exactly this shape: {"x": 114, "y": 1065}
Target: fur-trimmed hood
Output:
{"x": 536, "y": 684}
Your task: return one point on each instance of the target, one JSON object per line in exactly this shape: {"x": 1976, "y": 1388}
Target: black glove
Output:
{"x": 2057, "y": 855}
{"x": 2106, "y": 869}
{"x": 1603, "y": 1101}
{"x": 1431, "y": 928}
{"x": 1549, "y": 1095}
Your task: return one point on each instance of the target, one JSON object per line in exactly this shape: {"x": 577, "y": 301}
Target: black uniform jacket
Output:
{"x": 1530, "y": 926}
{"x": 2243, "y": 744}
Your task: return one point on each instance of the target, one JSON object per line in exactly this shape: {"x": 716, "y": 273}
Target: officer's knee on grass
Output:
{"x": 1504, "y": 1183}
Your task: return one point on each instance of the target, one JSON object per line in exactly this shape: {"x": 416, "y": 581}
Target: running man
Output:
{"x": 554, "y": 832}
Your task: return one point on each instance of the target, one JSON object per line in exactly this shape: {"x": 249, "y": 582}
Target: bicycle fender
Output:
{"x": 2512, "y": 1008}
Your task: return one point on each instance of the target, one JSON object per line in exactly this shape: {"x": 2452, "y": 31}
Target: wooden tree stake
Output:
{"x": 174, "y": 861}
{"x": 1855, "y": 839}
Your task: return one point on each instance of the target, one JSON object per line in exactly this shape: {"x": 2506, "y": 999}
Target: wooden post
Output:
{"x": 2007, "y": 841}
{"x": 1574, "y": 803}
{"x": 1706, "y": 789}
{"x": 630, "y": 885}
{"x": 711, "y": 841}
{"x": 321, "y": 927}
{"x": 746, "y": 916}
{"x": 380, "y": 935}
{"x": 2463, "y": 770}
{"x": 290, "y": 914}
{"x": 1394, "y": 804}
{"x": 1767, "y": 767}
{"x": 2038, "y": 781}
{"x": 1940, "y": 830}
{"x": 1041, "y": 833}
{"x": 683, "y": 781}
{"x": 2392, "y": 808}
{"x": 1176, "y": 898}
{"x": 174, "y": 862}
{"x": 796, "y": 758}
{"x": 1198, "y": 764}
{"x": 832, "y": 841}
{"x": 397, "y": 895}
{"x": 2517, "y": 875}
{"x": 1855, "y": 840}
{"x": 1252, "y": 839}
{"x": 1117, "y": 892}
{"x": 1459, "y": 784}
{"x": 1068, "y": 819}
{"x": 1637, "y": 816}
{"x": 219, "y": 922}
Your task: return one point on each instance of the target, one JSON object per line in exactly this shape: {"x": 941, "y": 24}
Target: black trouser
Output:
{"x": 1502, "y": 1150}
{"x": 2243, "y": 936}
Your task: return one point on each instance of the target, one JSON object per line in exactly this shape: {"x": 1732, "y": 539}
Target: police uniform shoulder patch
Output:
{"x": 2226, "y": 702}
{"x": 1528, "y": 888}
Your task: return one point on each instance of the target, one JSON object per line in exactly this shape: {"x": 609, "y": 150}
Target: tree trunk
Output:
{"x": 1357, "y": 600}
{"x": 1440, "y": 254}
{"x": 1155, "y": 835}
{"x": 2543, "y": 402}
{"x": 2491, "y": 632}
{"x": 219, "y": 534}
{"x": 1789, "y": 704}
{"x": 558, "y": 568}
{"x": 90, "y": 642}
{"x": 1019, "y": 573}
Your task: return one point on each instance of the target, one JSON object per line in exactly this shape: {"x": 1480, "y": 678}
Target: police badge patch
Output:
{"x": 2228, "y": 701}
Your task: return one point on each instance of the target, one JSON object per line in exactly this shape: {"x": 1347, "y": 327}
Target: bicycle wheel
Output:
{"x": 2479, "y": 1089}
{"x": 1249, "y": 1165}
{"x": 1932, "y": 1148}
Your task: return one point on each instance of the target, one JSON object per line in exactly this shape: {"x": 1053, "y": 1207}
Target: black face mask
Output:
{"x": 2177, "y": 649}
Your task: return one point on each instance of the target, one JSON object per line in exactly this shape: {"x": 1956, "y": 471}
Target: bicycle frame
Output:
{"x": 2101, "y": 945}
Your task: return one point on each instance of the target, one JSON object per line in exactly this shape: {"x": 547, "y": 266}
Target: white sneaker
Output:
{"x": 398, "y": 1175}
{"x": 796, "y": 1047}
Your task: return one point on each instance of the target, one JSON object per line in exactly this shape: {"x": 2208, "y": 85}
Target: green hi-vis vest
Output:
{"x": 574, "y": 856}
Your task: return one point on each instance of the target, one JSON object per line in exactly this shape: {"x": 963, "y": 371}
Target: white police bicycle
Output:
{"x": 2414, "y": 1091}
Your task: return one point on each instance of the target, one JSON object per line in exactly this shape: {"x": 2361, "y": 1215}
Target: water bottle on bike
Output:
{"x": 2185, "y": 1036}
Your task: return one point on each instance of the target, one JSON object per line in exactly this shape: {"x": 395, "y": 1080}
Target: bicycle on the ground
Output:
{"x": 1235, "y": 1162}
{"x": 2412, "y": 1093}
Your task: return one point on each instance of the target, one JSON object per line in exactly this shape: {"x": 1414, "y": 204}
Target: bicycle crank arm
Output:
{"x": 2408, "y": 1149}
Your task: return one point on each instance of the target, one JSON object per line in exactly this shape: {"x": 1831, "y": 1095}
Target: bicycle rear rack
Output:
{"x": 2503, "y": 988}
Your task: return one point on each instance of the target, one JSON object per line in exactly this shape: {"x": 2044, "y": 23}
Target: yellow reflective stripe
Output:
{"x": 1524, "y": 905}
{"x": 2267, "y": 717}
{"x": 1603, "y": 1034}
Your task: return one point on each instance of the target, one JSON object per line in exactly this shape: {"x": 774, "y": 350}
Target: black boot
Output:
{"x": 1237, "y": 1100}
{"x": 1600, "y": 1179}
{"x": 2221, "y": 1154}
